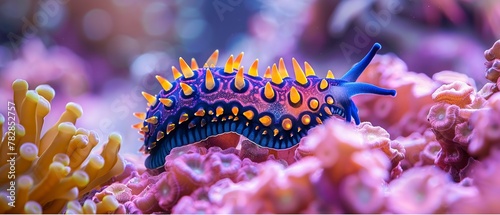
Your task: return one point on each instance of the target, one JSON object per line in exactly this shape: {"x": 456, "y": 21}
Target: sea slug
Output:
{"x": 274, "y": 111}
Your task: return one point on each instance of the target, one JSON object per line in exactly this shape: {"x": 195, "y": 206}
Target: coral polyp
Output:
{"x": 274, "y": 112}
{"x": 52, "y": 169}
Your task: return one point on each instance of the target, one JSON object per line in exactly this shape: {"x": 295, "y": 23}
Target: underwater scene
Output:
{"x": 253, "y": 107}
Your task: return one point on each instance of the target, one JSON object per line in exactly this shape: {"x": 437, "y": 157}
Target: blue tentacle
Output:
{"x": 355, "y": 88}
{"x": 358, "y": 68}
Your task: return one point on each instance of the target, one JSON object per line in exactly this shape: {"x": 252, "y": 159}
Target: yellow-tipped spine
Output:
{"x": 294, "y": 95}
{"x": 176, "y": 73}
{"x": 276, "y": 77}
{"x": 309, "y": 69}
{"x": 150, "y": 98}
{"x": 165, "y": 84}
{"x": 237, "y": 61}
{"x": 213, "y": 58}
{"x": 268, "y": 91}
{"x": 239, "y": 80}
{"x": 330, "y": 75}
{"x": 194, "y": 65}
{"x": 299, "y": 73}
{"x": 228, "y": 68}
{"x": 253, "y": 71}
{"x": 282, "y": 68}
{"x": 186, "y": 89}
{"x": 209, "y": 80}
{"x": 185, "y": 69}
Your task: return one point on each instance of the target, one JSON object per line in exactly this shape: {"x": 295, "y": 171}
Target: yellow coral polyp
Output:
{"x": 108, "y": 204}
{"x": 55, "y": 167}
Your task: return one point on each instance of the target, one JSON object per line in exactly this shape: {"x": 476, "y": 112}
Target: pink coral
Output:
{"x": 187, "y": 205}
{"x": 192, "y": 170}
{"x": 462, "y": 133}
{"x": 482, "y": 196}
{"x": 401, "y": 115}
{"x": 179, "y": 151}
{"x": 486, "y": 128}
{"x": 166, "y": 191}
{"x": 457, "y": 93}
{"x": 492, "y": 56}
{"x": 452, "y": 157}
{"x": 362, "y": 194}
{"x": 247, "y": 171}
{"x": 443, "y": 116}
{"x": 429, "y": 155}
{"x": 224, "y": 165}
{"x": 376, "y": 137}
{"x": 418, "y": 190}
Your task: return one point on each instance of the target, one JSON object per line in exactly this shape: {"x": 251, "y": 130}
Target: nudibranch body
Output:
{"x": 274, "y": 112}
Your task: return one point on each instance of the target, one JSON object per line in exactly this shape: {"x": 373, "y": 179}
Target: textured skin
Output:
{"x": 286, "y": 128}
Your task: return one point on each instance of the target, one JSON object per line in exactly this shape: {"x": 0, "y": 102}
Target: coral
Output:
{"x": 166, "y": 191}
{"x": 375, "y": 137}
{"x": 482, "y": 194}
{"x": 457, "y": 93}
{"x": 486, "y": 128}
{"x": 420, "y": 149}
{"x": 492, "y": 56}
{"x": 188, "y": 172}
{"x": 57, "y": 161}
{"x": 418, "y": 190}
{"x": 443, "y": 116}
{"x": 341, "y": 174}
{"x": 405, "y": 113}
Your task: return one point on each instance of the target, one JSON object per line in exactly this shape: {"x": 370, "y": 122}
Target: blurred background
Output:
{"x": 102, "y": 54}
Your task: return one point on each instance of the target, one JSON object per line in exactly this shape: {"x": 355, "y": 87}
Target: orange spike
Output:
{"x": 176, "y": 73}
{"x": 194, "y": 65}
{"x": 212, "y": 60}
{"x": 275, "y": 75}
{"x": 229, "y": 65}
{"x": 150, "y": 98}
{"x": 237, "y": 61}
{"x": 166, "y": 102}
{"x": 165, "y": 84}
{"x": 186, "y": 71}
{"x": 267, "y": 73}
{"x": 140, "y": 115}
{"x": 329, "y": 74}
{"x": 309, "y": 69}
{"x": 299, "y": 74}
{"x": 282, "y": 69}
{"x": 186, "y": 89}
{"x": 209, "y": 80}
{"x": 239, "y": 80}
{"x": 253, "y": 69}
{"x": 268, "y": 91}
{"x": 138, "y": 126}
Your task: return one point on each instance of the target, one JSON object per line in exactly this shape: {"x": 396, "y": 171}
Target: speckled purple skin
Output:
{"x": 226, "y": 96}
